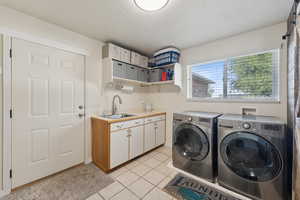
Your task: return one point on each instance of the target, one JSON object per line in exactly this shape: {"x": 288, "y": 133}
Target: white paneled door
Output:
{"x": 48, "y": 111}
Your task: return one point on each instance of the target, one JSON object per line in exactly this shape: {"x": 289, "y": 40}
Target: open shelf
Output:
{"x": 161, "y": 82}
{"x": 143, "y": 83}
{"x": 163, "y": 66}
{"x": 108, "y": 75}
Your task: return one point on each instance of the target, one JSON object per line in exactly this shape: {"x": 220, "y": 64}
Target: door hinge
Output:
{"x": 10, "y": 53}
{"x": 10, "y": 173}
{"x": 10, "y": 113}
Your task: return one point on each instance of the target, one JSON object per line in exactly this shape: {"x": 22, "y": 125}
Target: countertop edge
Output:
{"x": 137, "y": 116}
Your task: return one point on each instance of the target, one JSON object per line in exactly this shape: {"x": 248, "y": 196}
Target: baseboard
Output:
{"x": 88, "y": 161}
{"x": 4, "y": 193}
{"x": 214, "y": 185}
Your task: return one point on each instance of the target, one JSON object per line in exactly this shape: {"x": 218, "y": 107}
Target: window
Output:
{"x": 252, "y": 77}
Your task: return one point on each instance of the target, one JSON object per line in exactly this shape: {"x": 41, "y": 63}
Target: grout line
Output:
{"x": 142, "y": 177}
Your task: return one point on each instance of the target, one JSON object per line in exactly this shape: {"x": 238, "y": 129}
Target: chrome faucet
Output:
{"x": 114, "y": 107}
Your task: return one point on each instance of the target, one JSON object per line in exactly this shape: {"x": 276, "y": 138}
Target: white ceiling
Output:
{"x": 182, "y": 23}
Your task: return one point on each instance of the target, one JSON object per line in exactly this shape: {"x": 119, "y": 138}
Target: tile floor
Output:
{"x": 143, "y": 178}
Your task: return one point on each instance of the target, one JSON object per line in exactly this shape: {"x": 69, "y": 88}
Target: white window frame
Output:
{"x": 275, "y": 100}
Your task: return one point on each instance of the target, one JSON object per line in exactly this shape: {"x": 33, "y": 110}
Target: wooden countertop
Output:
{"x": 136, "y": 116}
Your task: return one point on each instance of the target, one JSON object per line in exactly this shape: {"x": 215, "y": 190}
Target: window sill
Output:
{"x": 212, "y": 100}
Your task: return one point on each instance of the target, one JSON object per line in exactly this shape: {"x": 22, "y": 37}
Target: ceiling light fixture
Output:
{"x": 151, "y": 5}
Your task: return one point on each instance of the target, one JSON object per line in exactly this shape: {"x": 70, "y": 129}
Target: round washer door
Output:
{"x": 251, "y": 156}
{"x": 191, "y": 142}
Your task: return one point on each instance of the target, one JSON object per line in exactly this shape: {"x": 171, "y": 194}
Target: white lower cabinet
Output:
{"x": 155, "y": 134}
{"x": 132, "y": 138}
{"x": 136, "y": 141}
{"x": 119, "y": 147}
{"x": 149, "y": 136}
{"x": 160, "y": 133}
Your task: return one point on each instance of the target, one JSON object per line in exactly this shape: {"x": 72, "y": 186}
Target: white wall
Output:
{"x": 171, "y": 99}
{"x": 97, "y": 100}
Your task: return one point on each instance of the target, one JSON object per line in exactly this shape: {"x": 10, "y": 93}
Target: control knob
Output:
{"x": 246, "y": 125}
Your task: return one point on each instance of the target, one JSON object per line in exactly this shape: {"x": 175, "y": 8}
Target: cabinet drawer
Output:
{"x": 154, "y": 119}
{"x": 127, "y": 124}
{"x": 137, "y": 122}
{"x": 117, "y": 126}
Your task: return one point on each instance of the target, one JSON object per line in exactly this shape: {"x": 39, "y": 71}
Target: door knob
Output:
{"x": 80, "y": 107}
{"x": 81, "y": 115}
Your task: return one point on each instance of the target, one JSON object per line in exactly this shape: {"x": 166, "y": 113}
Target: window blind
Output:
{"x": 245, "y": 77}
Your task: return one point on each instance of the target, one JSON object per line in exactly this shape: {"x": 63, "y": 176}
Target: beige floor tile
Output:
{"x": 161, "y": 157}
{"x": 140, "y": 187}
{"x": 164, "y": 169}
{"x": 132, "y": 164}
{"x": 141, "y": 169}
{"x": 169, "y": 160}
{"x": 157, "y": 194}
{"x": 173, "y": 174}
{"x": 125, "y": 195}
{"x": 152, "y": 154}
{"x": 95, "y": 197}
{"x": 154, "y": 177}
{"x": 111, "y": 190}
{"x": 164, "y": 182}
{"x": 128, "y": 178}
{"x": 144, "y": 158}
{"x": 166, "y": 150}
{"x": 152, "y": 162}
{"x": 118, "y": 172}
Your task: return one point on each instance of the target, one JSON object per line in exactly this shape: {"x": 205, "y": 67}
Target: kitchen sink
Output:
{"x": 117, "y": 116}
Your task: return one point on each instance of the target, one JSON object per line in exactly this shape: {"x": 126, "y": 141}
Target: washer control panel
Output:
{"x": 246, "y": 125}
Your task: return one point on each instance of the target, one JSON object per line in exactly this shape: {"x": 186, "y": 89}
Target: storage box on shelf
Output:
{"x": 166, "y": 56}
{"x": 111, "y": 50}
{"x": 114, "y": 70}
{"x": 123, "y": 65}
{"x": 125, "y": 55}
